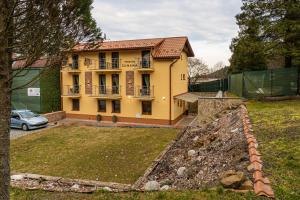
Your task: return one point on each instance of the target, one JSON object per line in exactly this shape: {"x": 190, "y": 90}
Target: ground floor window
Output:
{"x": 75, "y": 104}
{"x": 146, "y": 107}
{"x": 101, "y": 106}
{"x": 116, "y": 106}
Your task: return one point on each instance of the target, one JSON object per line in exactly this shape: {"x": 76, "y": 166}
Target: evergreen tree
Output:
{"x": 268, "y": 29}
{"x": 248, "y": 47}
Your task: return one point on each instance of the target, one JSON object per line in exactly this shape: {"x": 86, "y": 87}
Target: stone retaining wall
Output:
{"x": 55, "y": 116}
{"x": 210, "y": 106}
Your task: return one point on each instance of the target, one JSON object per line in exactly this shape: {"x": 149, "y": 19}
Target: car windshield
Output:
{"x": 28, "y": 114}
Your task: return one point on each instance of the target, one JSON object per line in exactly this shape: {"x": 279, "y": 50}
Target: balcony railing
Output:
{"x": 107, "y": 66}
{"x": 71, "y": 90}
{"x": 106, "y": 91}
{"x": 144, "y": 92}
{"x": 71, "y": 67}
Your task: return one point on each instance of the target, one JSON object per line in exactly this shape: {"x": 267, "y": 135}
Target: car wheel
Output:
{"x": 24, "y": 127}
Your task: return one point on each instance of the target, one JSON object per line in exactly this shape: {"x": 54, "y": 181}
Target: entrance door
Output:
{"x": 102, "y": 84}
{"x": 145, "y": 90}
{"x": 115, "y": 83}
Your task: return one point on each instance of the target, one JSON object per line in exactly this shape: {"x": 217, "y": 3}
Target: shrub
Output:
{"x": 98, "y": 118}
{"x": 114, "y": 118}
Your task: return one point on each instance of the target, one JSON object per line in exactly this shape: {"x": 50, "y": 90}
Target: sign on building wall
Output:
{"x": 88, "y": 83}
{"x": 130, "y": 83}
{"x": 33, "y": 92}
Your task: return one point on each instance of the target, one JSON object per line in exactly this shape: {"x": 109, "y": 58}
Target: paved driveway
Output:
{"x": 16, "y": 133}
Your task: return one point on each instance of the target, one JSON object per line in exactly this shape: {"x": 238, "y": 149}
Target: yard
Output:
{"x": 277, "y": 128}
{"x": 105, "y": 154}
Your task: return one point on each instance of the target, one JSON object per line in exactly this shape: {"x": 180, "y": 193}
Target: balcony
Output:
{"x": 144, "y": 92}
{"x": 145, "y": 66}
{"x": 71, "y": 68}
{"x": 104, "y": 66}
{"x": 72, "y": 91}
{"x": 105, "y": 92}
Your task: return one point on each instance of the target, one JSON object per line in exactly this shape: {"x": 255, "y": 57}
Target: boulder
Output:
{"x": 107, "y": 189}
{"x": 165, "y": 187}
{"x": 75, "y": 186}
{"x": 166, "y": 182}
{"x": 227, "y": 173}
{"x": 247, "y": 185}
{"x": 191, "y": 153}
{"x": 195, "y": 138}
{"x": 234, "y": 130}
{"x": 17, "y": 177}
{"x": 232, "y": 180}
{"x": 251, "y": 168}
{"x": 181, "y": 172}
{"x": 152, "y": 186}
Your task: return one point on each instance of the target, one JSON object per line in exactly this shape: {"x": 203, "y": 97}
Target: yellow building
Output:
{"x": 134, "y": 80}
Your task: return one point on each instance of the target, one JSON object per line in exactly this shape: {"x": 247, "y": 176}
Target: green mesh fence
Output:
{"x": 211, "y": 86}
{"x": 236, "y": 84}
{"x": 267, "y": 83}
{"x": 20, "y": 98}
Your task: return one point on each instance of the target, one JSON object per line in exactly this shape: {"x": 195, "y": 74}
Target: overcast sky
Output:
{"x": 209, "y": 24}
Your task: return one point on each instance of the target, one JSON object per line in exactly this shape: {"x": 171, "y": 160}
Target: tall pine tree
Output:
{"x": 248, "y": 47}
{"x": 268, "y": 29}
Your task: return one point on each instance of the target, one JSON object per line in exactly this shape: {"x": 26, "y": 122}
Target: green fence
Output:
{"x": 211, "y": 86}
{"x": 20, "y": 98}
{"x": 267, "y": 83}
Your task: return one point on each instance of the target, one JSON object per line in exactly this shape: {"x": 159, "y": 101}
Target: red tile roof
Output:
{"x": 37, "y": 64}
{"x": 162, "y": 47}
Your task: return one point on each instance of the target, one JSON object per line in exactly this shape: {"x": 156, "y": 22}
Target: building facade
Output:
{"x": 132, "y": 80}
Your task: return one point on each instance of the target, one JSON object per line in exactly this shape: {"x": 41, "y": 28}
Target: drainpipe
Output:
{"x": 170, "y": 90}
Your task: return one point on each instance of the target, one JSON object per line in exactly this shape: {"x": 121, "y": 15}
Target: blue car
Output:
{"x": 27, "y": 120}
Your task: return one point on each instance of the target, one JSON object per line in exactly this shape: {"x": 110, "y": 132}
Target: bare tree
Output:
{"x": 197, "y": 69}
{"x": 31, "y": 29}
{"x": 219, "y": 70}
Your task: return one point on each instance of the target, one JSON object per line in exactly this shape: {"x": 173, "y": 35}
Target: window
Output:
{"x": 75, "y": 61}
{"x": 183, "y": 76}
{"x": 64, "y": 61}
{"x": 101, "y": 106}
{"x": 75, "y": 104}
{"x": 102, "y": 60}
{"x": 145, "y": 59}
{"x": 116, "y": 106}
{"x": 146, "y": 107}
{"x": 115, "y": 60}
{"x": 115, "y": 83}
{"x": 145, "y": 90}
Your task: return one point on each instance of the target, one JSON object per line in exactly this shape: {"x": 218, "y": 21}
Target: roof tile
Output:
{"x": 163, "y": 47}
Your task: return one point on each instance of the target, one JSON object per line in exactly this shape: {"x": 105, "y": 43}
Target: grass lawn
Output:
{"x": 277, "y": 128}
{"x": 105, "y": 154}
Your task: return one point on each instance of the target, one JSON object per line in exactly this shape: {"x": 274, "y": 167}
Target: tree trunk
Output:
{"x": 5, "y": 96}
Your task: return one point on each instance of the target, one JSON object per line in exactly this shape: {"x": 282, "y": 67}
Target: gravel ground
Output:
{"x": 203, "y": 153}
{"x": 16, "y": 133}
